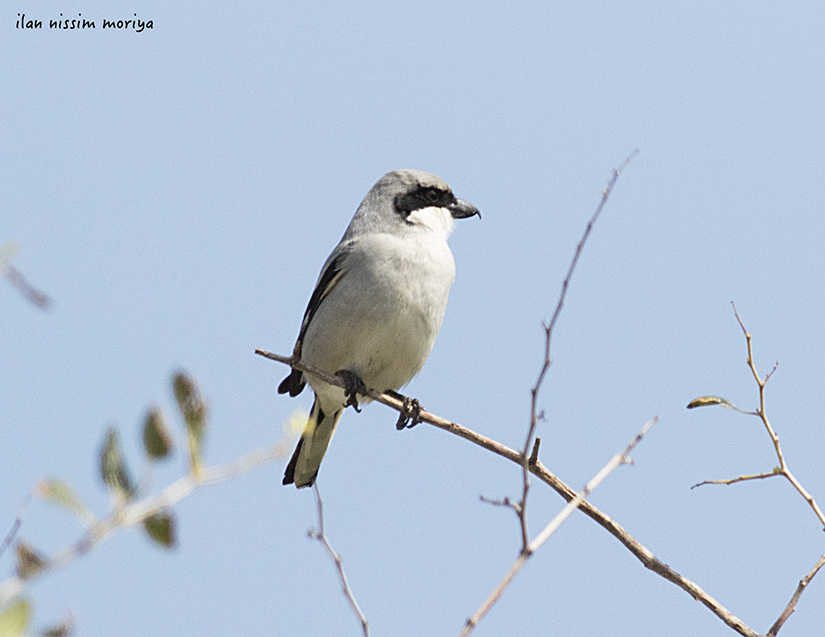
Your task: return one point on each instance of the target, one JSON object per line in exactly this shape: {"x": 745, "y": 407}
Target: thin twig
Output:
{"x": 642, "y": 553}
{"x": 763, "y": 415}
{"x": 555, "y": 523}
{"x": 15, "y": 527}
{"x": 504, "y": 502}
{"x": 321, "y": 536}
{"x": 791, "y": 607}
{"x": 136, "y": 512}
{"x": 548, "y": 359}
{"x": 760, "y": 476}
{"x": 781, "y": 470}
{"x": 32, "y": 294}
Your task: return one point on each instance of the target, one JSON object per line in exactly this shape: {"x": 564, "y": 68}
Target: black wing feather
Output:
{"x": 294, "y": 383}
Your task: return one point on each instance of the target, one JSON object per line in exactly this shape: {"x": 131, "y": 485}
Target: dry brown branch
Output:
{"x": 321, "y": 536}
{"x": 762, "y": 413}
{"x": 548, "y": 360}
{"x": 520, "y": 507}
{"x": 572, "y": 505}
{"x": 760, "y": 476}
{"x": 643, "y": 554}
{"x": 781, "y": 470}
{"x": 791, "y": 607}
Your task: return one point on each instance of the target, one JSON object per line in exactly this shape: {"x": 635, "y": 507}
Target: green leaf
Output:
{"x": 193, "y": 408}
{"x": 58, "y": 492}
{"x": 14, "y": 620}
{"x": 704, "y": 401}
{"x": 113, "y": 467}
{"x": 157, "y": 440}
{"x": 161, "y": 528}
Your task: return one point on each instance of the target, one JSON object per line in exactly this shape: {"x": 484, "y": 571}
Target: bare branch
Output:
{"x": 32, "y": 294}
{"x": 503, "y": 502}
{"x": 642, "y": 553}
{"x": 320, "y": 535}
{"x": 572, "y": 505}
{"x": 763, "y": 415}
{"x": 15, "y": 527}
{"x": 781, "y": 470}
{"x": 791, "y": 607}
{"x": 548, "y": 337}
{"x": 760, "y": 476}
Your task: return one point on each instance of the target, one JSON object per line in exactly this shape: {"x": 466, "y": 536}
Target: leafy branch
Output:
{"x": 153, "y": 512}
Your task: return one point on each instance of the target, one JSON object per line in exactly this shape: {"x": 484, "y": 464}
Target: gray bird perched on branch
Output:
{"x": 378, "y": 304}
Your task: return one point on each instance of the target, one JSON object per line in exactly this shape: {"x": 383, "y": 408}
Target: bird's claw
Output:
{"x": 352, "y": 386}
{"x": 410, "y": 414}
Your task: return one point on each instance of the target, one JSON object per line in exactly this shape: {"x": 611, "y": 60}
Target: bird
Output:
{"x": 377, "y": 306}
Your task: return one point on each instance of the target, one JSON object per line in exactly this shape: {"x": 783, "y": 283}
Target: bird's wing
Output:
{"x": 331, "y": 275}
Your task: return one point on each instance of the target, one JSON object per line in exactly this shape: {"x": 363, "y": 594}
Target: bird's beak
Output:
{"x": 462, "y": 209}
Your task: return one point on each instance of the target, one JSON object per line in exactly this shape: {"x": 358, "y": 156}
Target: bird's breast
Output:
{"x": 382, "y": 318}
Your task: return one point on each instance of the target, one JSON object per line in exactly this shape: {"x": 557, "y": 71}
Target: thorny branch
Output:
{"x": 320, "y": 535}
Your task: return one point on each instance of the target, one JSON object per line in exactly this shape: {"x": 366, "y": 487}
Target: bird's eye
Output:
{"x": 431, "y": 195}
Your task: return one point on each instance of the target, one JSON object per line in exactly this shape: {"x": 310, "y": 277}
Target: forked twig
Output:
{"x": 781, "y": 470}
{"x": 555, "y": 523}
{"x": 762, "y": 413}
{"x": 642, "y": 553}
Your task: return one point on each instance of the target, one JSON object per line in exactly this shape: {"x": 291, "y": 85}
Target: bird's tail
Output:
{"x": 303, "y": 468}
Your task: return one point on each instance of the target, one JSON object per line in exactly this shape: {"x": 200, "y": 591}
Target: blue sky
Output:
{"x": 176, "y": 191}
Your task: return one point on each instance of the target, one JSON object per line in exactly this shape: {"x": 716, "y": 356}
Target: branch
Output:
{"x": 136, "y": 512}
{"x": 781, "y": 470}
{"x": 643, "y": 554}
{"x": 548, "y": 360}
{"x": 15, "y": 526}
{"x": 572, "y": 505}
{"x": 762, "y": 413}
{"x": 791, "y": 607}
{"x": 16, "y": 278}
{"x": 760, "y": 476}
{"x": 321, "y": 537}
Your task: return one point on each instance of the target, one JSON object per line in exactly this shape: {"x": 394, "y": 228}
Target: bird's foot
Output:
{"x": 410, "y": 414}
{"x": 352, "y": 385}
